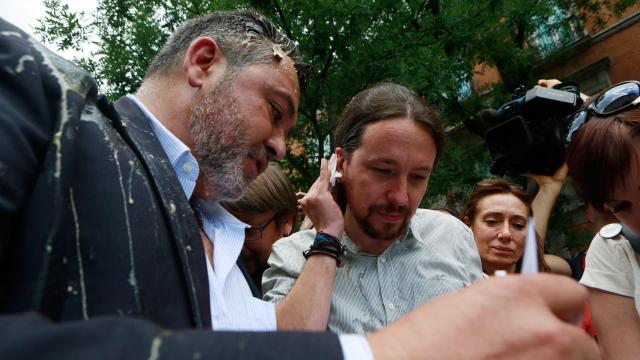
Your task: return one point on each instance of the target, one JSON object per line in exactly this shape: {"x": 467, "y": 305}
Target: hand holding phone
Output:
{"x": 321, "y": 204}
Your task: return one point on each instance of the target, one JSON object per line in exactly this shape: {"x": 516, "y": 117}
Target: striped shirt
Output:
{"x": 436, "y": 255}
{"x": 179, "y": 155}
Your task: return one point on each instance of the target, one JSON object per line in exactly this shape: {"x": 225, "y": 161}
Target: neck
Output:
{"x": 200, "y": 191}
{"x": 490, "y": 269}
{"x": 363, "y": 242}
{"x": 169, "y": 104}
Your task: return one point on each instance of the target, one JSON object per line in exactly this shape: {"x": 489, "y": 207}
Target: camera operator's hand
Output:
{"x": 551, "y": 183}
{"x": 514, "y": 317}
{"x": 548, "y": 83}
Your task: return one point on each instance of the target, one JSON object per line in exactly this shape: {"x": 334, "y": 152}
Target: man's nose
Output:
{"x": 397, "y": 195}
{"x": 276, "y": 146}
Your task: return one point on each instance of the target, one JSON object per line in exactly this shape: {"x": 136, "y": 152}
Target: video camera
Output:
{"x": 526, "y": 135}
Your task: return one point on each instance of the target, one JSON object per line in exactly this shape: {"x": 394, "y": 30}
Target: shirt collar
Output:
{"x": 213, "y": 211}
{"x": 226, "y": 233}
{"x": 180, "y": 157}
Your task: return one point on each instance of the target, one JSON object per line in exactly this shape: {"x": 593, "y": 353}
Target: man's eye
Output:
{"x": 277, "y": 114}
{"x": 419, "y": 177}
{"x": 491, "y": 222}
{"x": 382, "y": 170}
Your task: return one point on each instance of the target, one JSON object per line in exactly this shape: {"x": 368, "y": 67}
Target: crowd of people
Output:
{"x": 159, "y": 225}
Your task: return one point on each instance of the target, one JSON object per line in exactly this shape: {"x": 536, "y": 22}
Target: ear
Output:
{"x": 466, "y": 221}
{"x": 287, "y": 225}
{"x": 341, "y": 158}
{"x": 203, "y": 62}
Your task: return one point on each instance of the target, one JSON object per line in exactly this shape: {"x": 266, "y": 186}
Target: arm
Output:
{"x": 557, "y": 265}
{"x": 609, "y": 274}
{"x": 617, "y": 324}
{"x": 307, "y": 306}
{"x": 545, "y": 199}
{"x": 29, "y": 108}
{"x": 34, "y": 337}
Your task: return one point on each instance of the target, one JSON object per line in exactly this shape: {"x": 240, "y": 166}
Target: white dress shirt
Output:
{"x": 187, "y": 170}
{"x": 233, "y": 307}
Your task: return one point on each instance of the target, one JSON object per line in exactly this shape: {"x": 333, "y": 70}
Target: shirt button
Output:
{"x": 383, "y": 260}
{"x": 187, "y": 167}
{"x": 391, "y": 306}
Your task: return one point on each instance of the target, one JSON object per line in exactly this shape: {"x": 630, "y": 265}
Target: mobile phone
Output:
{"x": 338, "y": 190}
{"x": 335, "y": 175}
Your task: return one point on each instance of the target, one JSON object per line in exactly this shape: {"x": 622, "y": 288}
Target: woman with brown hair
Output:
{"x": 604, "y": 161}
{"x": 269, "y": 206}
{"x": 497, "y": 213}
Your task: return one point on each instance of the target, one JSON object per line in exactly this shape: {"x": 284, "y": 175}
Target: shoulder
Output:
{"x": 300, "y": 240}
{"x": 426, "y": 220}
{"x": 443, "y": 236}
{"x": 613, "y": 253}
{"x": 437, "y": 229}
{"x": 611, "y": 263}
{"x": 610, "y": 242}
{"x": 27, "y": 59}
{"x": 36, "y": 77}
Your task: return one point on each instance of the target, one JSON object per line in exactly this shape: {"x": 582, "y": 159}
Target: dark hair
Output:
{"x": 488, "y": 187}
{"x": 245, "y": 37}
{"x": 381, "y": 102}
{"x": 270, "y": 191}
{"x": 601, "y": 153}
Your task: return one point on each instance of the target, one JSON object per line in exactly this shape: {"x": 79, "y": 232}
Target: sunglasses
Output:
{"x": 614, "y": 100}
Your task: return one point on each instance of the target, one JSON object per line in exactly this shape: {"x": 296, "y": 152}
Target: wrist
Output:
{"x": 550, "y": 190}
{"x": 335, "y": 231}
{"x": 328, "y": 245}
{"x": 384, "y": 346}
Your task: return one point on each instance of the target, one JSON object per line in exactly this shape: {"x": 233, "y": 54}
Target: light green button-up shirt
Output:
{"x": 436, "y": 255}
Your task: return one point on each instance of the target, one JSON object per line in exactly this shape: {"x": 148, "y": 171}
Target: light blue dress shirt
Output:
{"x": 182, "y": 161}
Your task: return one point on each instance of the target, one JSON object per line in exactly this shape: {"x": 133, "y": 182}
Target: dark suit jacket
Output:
{"x": 100, "y": 255}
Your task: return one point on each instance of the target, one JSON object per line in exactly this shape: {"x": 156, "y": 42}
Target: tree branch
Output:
{"x": 283, "y": 20}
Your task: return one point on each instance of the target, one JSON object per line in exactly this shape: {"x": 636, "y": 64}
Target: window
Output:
{"x": 555, "y": 32}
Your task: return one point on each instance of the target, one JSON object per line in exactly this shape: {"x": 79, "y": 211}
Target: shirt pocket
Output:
{"x": 428, "y": 289}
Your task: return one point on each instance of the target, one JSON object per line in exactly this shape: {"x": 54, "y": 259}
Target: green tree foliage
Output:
{"x": 429, "y": 45}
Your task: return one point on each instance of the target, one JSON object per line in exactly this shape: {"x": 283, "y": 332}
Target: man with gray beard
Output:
{"x": 95, "y": 199}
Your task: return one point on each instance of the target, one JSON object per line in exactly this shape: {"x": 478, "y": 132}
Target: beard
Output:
{"x": 219, "y": 137}
{"x": 382, "y": 230}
